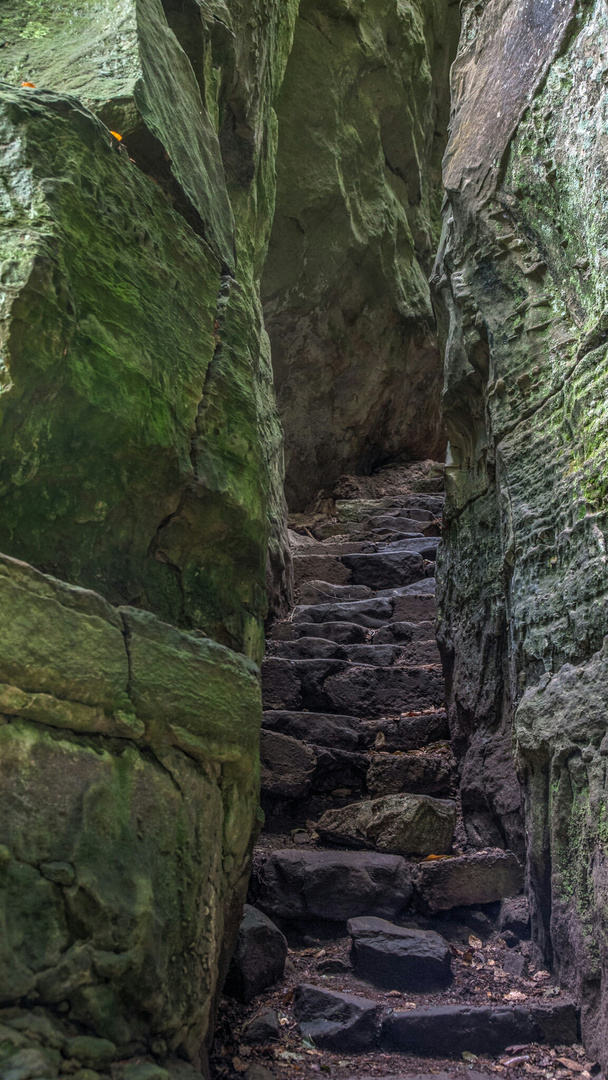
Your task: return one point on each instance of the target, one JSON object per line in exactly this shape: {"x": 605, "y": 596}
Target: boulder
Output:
{"x": 425, "y": 774}
{"x": 395, "y": 958}
{"x": 400, "y": 824}
{"x": 287, "y": 765}
{"x": 259, "y": 958}
{"x": 514, "y": 915}
{"x": 336, "y": 1021}
{"x": 334, "y": 885}
{"x": 320, "y": 729}
{"x": 263, "y": 1027}
{"x": 480, "y": 878}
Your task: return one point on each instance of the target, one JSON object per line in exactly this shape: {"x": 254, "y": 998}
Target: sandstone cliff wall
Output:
{"x": 521, "y": 280}
{"x": 140, "y": 456}
{"x": 362, "y": 119}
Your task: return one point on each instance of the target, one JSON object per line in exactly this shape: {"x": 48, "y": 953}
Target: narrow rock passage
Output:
{"x": 409, "y": 951}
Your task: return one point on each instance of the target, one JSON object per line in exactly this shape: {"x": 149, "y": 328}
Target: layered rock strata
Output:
{"x": 154, "y": 471}
{"x": 362, "y": 117}
{"x": 523, "y": 576}
{"x": 130, "y": 773}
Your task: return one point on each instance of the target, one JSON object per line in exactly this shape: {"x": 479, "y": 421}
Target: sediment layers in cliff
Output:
{"x": 523, "y": 577}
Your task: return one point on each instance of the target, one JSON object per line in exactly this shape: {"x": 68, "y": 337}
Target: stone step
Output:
{"x": 350, "y": 1024}
{"x": 401, "y": 633}
{"x": 336, "y": 686}
{"x": 315, "y": 648}
{"x": 292, "y": 769}
{"x": 425, "y": 546}
{"x": 402, "y": 523}
{"x": 324, "y": 592}
{"x": 466, "y": 880}
{"x": 414, "y": 772}
{"x": 373, "y": 613}
{"x": 308, "y": 886}
{"x": 378, "y": 570}
{"x": 457, "y": 1029}
{"x": 395, "y": 958}
{"x": 336, "y": 1021}
{"x": 405, "y": 732}
{"x": 346, "y": 633}
{"x": 396, "y": 824}
{"x": 420, "y": 507}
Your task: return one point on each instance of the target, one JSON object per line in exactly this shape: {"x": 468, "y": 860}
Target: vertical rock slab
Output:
{"x": 362, "y": 115}
{"x": 523, "y": 578}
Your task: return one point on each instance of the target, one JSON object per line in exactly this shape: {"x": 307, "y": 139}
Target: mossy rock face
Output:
{"x": 523, "y": 579}
{"x": 129, "y": 773}
{"x": 153, "y": 470}
{"x": 362, "y": 116}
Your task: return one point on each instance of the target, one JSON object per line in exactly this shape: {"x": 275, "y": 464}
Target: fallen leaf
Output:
{"x": 31, "y": 85}
{"x": 568, "y": 1063}
{"x": 468, "y": 1056}
{"x": 287, "y": 998}
{"x": 515, "y": 995}
{"x": 116, "y": 135}
{"x": 475, "y": 942}
{"x": 507, "y": 1062}
{"x": 433, "y": 858}
{"x": 238, "y": 1065}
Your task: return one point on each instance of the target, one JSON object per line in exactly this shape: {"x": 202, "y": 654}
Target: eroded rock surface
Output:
{"x": 523, "y": 578}
{"x": 129, "y": 766}
{"x": 361, "y": 118}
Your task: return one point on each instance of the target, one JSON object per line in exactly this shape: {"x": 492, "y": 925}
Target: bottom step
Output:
{"x": 348, "y": 1023}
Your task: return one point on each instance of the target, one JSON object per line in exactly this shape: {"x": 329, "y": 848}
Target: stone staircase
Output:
{"x": 406, "y": 943}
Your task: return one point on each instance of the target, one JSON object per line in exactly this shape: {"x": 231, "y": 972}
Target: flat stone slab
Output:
{"x": 449, "y": 1030}
{"x": 334, "y": 885}
{"x": 395, "y": 958}
{"x": 400, "y": 824}
{"x": 344, "y": 633}
{"x": 406, "y": 732}
{"x": 341, "y": 687}
{"x": 321, "y": 729}
{"x": 480, "y": 878}
{"x": 391, "y": 605}
{"x": 378, "y": 655}
{"x": 336, "y": 1021}
{"x": 424, "y": 774}
{"x": 323, "y": 592}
